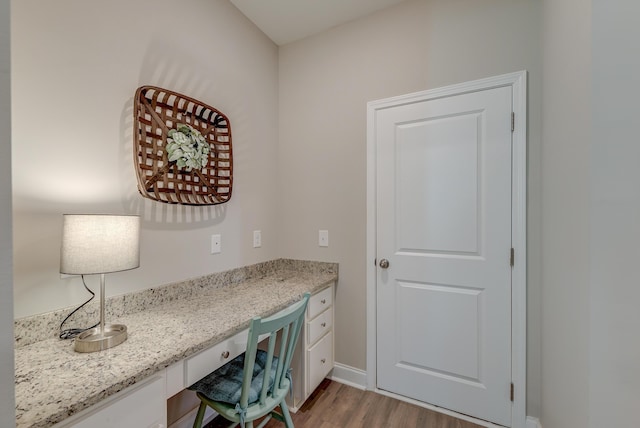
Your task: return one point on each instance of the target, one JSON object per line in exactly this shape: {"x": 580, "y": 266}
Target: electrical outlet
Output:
{"x": 216, "y": 244}
{"x": 323, "y": 238}
{"x": 257, "y": 239}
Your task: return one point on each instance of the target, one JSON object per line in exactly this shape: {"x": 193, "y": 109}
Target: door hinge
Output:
{"x": 512, "y": 391}
{"x": 513, "y": 121}
{"x": 512, "y": 257}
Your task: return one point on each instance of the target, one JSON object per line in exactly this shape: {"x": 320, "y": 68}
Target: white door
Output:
{"x": 444, "y": 226}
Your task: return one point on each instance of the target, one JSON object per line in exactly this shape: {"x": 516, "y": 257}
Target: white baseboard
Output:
{"x": 533, "y": 422}
{"x": 349, "y": 376}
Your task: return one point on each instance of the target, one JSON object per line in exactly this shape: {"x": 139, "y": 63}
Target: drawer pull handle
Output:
{"x": 225, "y": 354}
{"x": 324, "y": 324}
{"x": 323, "y": 301}
{"x": 323, "y": 360}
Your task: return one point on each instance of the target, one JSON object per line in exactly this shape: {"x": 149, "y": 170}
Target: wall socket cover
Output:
{"x": 216, "y": 244}
{"x": 257, "y": 239}
{"x": 323, "y": 238}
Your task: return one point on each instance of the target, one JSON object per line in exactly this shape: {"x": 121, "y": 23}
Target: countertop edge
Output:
{"x": 318, "y": 283}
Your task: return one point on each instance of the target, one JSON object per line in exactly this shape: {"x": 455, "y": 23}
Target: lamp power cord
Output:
{"x": 70, "y": 333}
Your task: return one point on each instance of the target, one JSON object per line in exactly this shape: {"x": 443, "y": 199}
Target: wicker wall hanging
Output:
{"x": 182, "y": 149}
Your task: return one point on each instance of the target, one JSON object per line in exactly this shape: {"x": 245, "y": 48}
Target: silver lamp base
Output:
{"x": 93, "y": 340}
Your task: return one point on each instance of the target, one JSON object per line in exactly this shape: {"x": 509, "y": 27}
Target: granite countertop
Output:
{"x": 54, "y": 382}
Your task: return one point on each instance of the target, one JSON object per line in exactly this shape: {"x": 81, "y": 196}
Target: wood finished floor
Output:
{"x": 334, "y": 405}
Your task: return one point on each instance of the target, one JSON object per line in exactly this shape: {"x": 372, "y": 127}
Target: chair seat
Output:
{"x": 243, "y": 396}
{"x": 225, "y": 384}
{"x": 255, "y": 411}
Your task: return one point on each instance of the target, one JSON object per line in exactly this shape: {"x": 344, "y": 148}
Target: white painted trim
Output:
{"x": 518, "y": 81}
{"x": 533, "y": 422}
{"x": 349, "y": 376}
{"x": 519, "y": 242}
{"x": 371, "y": 248}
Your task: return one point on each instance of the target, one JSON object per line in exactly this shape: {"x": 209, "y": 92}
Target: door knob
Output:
{"x": 384, "y": 263}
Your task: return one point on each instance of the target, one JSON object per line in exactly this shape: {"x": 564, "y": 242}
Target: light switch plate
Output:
{"x": 216, "y": 244}
{"x": 257, "y": 239}
{"x": 323, "y": 238}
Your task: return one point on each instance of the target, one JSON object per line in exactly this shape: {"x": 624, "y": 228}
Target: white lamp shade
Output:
{"x": 94, "y": 244}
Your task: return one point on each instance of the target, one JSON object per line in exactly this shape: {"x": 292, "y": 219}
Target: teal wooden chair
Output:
{"x": 253, "y": 384}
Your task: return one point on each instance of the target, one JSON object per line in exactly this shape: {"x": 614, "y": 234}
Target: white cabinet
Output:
{"x": 211, "y": 359}
{"x": 142, "y": 406}
{"x": 319, "y": 361}
{"x": 319, "y": 326}
{"x": 314, "y": 353}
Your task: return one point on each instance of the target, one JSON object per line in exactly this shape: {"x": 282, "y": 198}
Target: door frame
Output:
{"x": 518, "y": 82}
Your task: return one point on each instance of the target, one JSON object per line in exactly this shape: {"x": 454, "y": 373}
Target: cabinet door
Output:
{"x": 320, "y": 361}
{"x": 142, "y": 407}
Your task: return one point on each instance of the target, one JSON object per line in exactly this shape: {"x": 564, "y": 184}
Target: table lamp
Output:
{"x": 99, "y": 244}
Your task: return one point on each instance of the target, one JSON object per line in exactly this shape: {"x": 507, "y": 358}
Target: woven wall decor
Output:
{"x": 158, "y": 114}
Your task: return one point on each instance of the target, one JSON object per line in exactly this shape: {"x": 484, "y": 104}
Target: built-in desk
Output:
{"x": 55, "y": 385}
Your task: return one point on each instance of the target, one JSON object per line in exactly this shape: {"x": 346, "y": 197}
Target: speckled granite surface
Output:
{"x": 165, "y": 325}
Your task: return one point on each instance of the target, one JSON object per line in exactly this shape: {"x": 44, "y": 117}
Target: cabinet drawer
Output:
{"x": 319, "y": 302}
{"x": 320, "y": 361}
{"x": 211, "y": 359}
{"x": 175, "y": 378}
{"x": 141, "y": 406}
{"x": 319, "y": 326}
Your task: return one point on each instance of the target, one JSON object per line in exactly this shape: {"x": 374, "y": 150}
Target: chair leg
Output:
{"x": 200, "y": 416}
{"x": 288, "y": 422}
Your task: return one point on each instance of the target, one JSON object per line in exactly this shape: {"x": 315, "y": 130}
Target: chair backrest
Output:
{"x": 283, "y": 328}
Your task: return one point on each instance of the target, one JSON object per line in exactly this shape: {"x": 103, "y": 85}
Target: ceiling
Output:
{"x": 286, "y": 21}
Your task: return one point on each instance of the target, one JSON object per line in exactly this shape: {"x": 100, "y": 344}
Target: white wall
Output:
{"x": 591, "y": 354}
{"x": 565, "y": 208}
{"x": 7, "y": 400}
{"x": 325, "y": 83}
{"x": 615, "y": 216}
{"x": 76, "y": 66}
